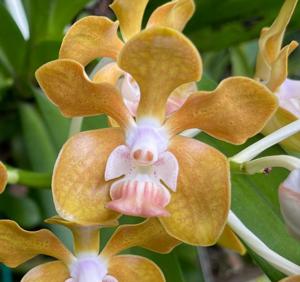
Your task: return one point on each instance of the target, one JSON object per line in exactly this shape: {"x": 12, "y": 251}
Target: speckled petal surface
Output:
{"x": 174, "y": 14}
{"x": 80, "y": 192}
{"x": 230, "y": 241}
{"x": 18, "y": 245}
{"x": 3, "y": 177}
{"x": 149, "y": 234}
{"x": 67, "y": 86}
{"x": 130, "y": 14}
{"x": 199, "y": 208}
{"x": 236, "y": 110}
{"x": 127, "y": 268}
{"x": 54, "y": 271}
{"x": 270, "y": 40}
{"x": 90, "y": 38}
{"x": 159, "y": 59}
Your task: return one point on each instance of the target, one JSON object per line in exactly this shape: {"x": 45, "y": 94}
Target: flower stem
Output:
{"x": 282, "y": 264}
{"x": 277, "y": 136}
{"x": 29, "y": 178}
{"x": 75, "y": 126}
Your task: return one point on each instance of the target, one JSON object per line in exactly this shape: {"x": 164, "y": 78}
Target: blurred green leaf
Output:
{"x": 12, "y": 43}
{"x": 40, "y": 149}
{"x": 21, "y": 209}
{"x": 58, "y": 125}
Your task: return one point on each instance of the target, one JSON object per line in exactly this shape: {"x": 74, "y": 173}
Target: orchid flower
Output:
{"x": 143, "y": 168}
{"x": 93, "y": 37}
{"x": 272, "y": 70}
{"x": 86, "y": 264}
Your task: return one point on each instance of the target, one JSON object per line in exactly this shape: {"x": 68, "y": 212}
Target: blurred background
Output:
{"x": 32, "y": 130}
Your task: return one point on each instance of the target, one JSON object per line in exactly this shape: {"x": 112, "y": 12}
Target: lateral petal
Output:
{"x": 3, "y": 177}
{"x": 80, "y": 192}
{"x": 174, "y": 14}
{"x": 18, "y": 245}
{"x": 109, "y": 73}
{"x": 295, "y": 278}
{"x": 229, "y": 240}
{"x": 235, "y": 111}
{"x": 54, "y": 271}
{"x": 67, "y": 86}
{"x": 159, "y": 59}
{"x": 127, "y": 268}
{"x": 199, "y": 208}
{"x": 130, "y": 15}
{"x": 90, "y": 38}
{"x": 149, "y": 234}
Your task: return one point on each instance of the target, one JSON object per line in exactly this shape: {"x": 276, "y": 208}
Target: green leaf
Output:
{"x": 12, "y": 43}
{"x": 57, "y": 124}
{"x": 21, "y": 209}
{"x": 40, "y": 149}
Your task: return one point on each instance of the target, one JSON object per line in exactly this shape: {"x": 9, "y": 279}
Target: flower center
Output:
{"x": 146, "y": 142}
{"x": 89, "y": 268}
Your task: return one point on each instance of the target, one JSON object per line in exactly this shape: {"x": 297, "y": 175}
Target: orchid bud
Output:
{"x": 289, "y": 197}
{"x": 3, "y": 177}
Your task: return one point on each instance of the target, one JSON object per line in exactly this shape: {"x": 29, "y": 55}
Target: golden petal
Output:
{"x": 130, "y": 15}
{"x": 279, "y": 68}
{"x": 199, "y": 207}
{"x": 149, "y": 234}
{"x": 67, "y": 86}
{"x": 295, "y": 278}
{"x": 281, "y": 118}
{"x": 127, "y": 268}
{"x": 3, "y": 177}
{"x": 270, "y": 40}
{"x": 229, "y": 240}
{"x": 109, "y": 73}
{"x": 235, "y": 111}
{"x": 159, "y": 59}
{"x": 90, "y": 38}
{"x": 18, "y": 245}
{"x": 54, "y": 271}
{"x": 174, "y": 14}
{"x": 80, "y": 192}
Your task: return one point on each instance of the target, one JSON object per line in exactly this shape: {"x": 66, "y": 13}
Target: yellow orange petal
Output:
{"x": 90, "y": 38}
{"x": 66, "y": 85}
{"x": 80, "y": 192}
{"x": 159, "y": 59}
{"x": 279, "y": 68}
{"x": 270, "y": 40}
{"x": 295, "y": 278}
{"x": 236, "y": 110}
{"x": 18, "y": 245}
{"x": 54, "y": 271}
{"x": 230, "y": 241}
{"x": 149, "y": 234}
{"x": 3, "y": 177}
{"x": 127, "y": 268}
{"x": 281, "y": 118}
{"x": 174, "y": 14}
{"x": 86, "y": 237}
{"x": 130, "y": 15}
{"x": 199, "y": 208}
{"x": 109, "y": 73}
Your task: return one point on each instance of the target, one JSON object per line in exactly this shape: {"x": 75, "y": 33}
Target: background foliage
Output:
{"x": 32, "y": 130}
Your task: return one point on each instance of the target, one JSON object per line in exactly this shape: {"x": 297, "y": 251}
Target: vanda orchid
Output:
{"x": 272, "y": 70}
{"x": 143, "y": 168}
{"x": 93, "y": 37}
{"x": 86, "y": 264}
